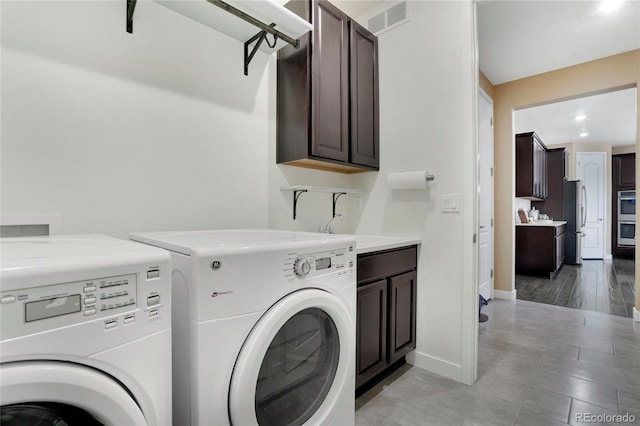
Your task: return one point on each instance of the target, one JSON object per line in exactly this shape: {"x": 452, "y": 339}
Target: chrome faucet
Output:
{"x": 328, "y": 229}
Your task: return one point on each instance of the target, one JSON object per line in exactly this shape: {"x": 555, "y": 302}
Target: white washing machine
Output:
{"x": 85, "y": 332}
{"x": 264, "y": 327}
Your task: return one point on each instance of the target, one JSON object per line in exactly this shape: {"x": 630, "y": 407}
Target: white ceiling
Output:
{"x": 519, "y": 39}
{"x": 610, "y": 118}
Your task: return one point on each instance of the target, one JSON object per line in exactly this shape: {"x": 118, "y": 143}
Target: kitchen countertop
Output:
{"x": 554, "y": 223}
{"x": 371, "y": 243}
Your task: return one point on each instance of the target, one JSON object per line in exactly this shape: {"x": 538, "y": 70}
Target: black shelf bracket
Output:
{"x": 296, "y": 194}
{"x": 336, "y": 195}
{"x": 260, "y": 37}
{"x": 131, "y": 7}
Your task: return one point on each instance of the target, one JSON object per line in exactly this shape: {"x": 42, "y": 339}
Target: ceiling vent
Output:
{"x": 388, "y": 18}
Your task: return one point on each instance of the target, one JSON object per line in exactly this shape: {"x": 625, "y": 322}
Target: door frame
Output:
{"x": 485, "y": 95}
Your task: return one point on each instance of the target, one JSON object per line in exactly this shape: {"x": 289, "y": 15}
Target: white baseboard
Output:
{"x": 507, "y": 295}
{"x": 636, "y": 315}
{"x": 436, "y": 365}
{"x": 608, "y": 257}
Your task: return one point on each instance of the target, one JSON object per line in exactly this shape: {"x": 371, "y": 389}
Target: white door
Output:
{"x": 485, "y": 195}
{"x": 297, "y": 364}
{"x": 591, "y": 171}
{"x": 64, "y": 393}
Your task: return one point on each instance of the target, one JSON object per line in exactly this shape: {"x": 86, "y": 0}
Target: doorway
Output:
{"x": 600, "y": 283}
{"x": 591, "y": 170}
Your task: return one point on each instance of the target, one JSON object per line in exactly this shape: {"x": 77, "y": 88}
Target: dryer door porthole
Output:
{"x": 294, "y": 366}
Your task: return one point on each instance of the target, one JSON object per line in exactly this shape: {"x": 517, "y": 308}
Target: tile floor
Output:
{"x": 537, "y": 365}
{"x": 604, "y": 286}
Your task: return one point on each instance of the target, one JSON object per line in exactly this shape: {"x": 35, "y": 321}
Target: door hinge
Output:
{"x": 492, "y": 273}
{"x": 474, "y": 238}
{"x": 491, "y": 121}
{"x": 492, "y": 222}
{"x": 492, "y": 172}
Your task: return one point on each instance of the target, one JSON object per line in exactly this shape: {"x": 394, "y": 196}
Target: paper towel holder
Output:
{"x": 410, "y": 179}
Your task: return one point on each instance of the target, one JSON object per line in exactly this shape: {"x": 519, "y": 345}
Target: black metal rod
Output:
{"x": 250, "y": 19}
{"x": 131, "y": 7}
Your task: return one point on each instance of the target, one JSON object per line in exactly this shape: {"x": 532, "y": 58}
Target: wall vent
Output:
{"x": 390, "y": 17}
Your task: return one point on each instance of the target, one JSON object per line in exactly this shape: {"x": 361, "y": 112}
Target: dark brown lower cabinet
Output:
{"x": 386, "y": 311}
{"x": 540, "y": 250}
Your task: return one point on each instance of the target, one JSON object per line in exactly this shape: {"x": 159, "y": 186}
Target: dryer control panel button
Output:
{"x": 8, "y": 299}
{"x": 153, "y": 300}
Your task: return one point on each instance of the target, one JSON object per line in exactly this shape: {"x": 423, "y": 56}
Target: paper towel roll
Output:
{"x": 409, "y": 180}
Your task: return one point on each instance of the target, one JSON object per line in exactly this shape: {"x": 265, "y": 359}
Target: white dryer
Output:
{"x": 85, "y": 332}
{"x": 264, "y": 327}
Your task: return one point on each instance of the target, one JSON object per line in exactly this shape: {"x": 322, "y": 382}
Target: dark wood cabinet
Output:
{"x": 372, "y": 330}
{"x": 624, "y": 167}
{"x": 386, "y": 311}
{"x": 402, "y": 315}
{"x": 327, "y": 94}
{"x": 540, "y": 250}
{"x": 556, "y": 164}
{"x": 531, "y": 167}
{"x": 623, "y": 179}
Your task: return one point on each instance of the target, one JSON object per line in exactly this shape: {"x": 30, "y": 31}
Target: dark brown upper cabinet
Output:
{"x": 531, "y": 167}
{"x": 327, "y": 95}
{"x": 553, "y": 205}
{"x": 624, "y": 166}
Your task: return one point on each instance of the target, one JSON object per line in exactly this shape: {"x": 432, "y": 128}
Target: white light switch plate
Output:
{"x": 451, "y": 203}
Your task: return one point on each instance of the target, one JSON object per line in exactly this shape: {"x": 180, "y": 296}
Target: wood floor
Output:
{"x": 605, "y": 286}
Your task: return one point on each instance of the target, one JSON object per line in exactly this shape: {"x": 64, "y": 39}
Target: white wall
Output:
{"x": 426, "y": 99}
{"x": 154, "y": 130}
{"x": 160, "y": 130}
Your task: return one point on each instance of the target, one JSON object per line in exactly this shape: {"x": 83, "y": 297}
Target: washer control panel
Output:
{"x": 314, "y": 264}
{"x": 58, "y": 305}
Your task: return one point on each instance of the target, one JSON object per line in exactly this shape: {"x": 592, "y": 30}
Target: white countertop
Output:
{"x": 554, "y": 223}
{"x": 371, "y": 243}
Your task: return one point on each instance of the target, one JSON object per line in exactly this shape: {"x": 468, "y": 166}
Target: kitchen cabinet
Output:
{"x": 540, "y": 249}
{"x": 386, "y": 312}
{"x": 327, "y": 94}
{"x": 624, "y": 167}
{"x": 531, "y": 167}
{"x": 556, "y": 165}
{"x": 623, "y": 179}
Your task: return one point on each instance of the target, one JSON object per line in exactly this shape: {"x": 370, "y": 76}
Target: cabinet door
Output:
{"x": 330, "y": 84}
{"x": 402, "y": 315}
{"x": 364, "y": 96}
{"x": 371, "y": 331}
{"x": 626, "y": 171}
{"x": 539, "y": 170}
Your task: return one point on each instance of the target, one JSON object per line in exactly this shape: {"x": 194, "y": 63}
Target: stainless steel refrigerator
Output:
{"x": 575, "y": 210}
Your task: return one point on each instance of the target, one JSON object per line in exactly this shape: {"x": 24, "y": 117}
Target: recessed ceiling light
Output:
{"x": 580, "y": 117}
{"x": 584, "y": 134}
{"x": 608, "y": 6}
